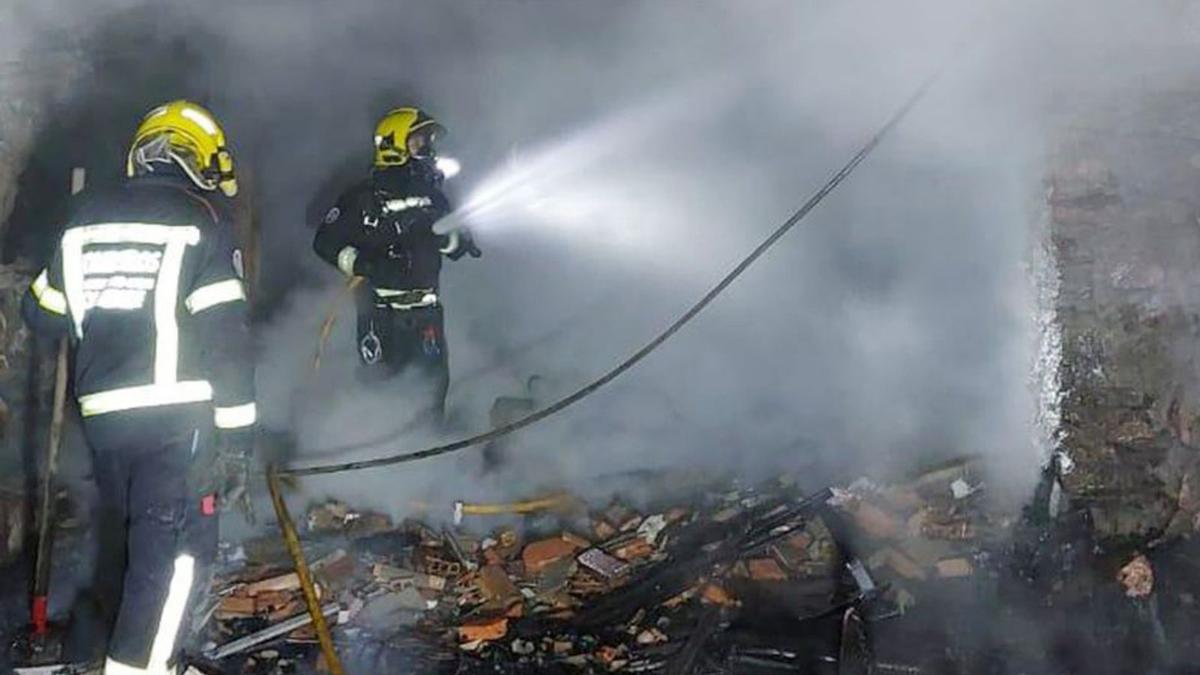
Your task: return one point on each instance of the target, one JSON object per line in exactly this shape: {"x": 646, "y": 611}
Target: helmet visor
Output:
{"x": 422, "y": 142}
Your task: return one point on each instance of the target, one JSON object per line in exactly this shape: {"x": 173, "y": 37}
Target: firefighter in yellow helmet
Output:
{"x": 382, "y": 229}
{"x": 182, "y": 136}
{"x": 143, "y": 282}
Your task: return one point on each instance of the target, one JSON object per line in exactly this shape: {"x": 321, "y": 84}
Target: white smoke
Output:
{"x": 617, "y": 164}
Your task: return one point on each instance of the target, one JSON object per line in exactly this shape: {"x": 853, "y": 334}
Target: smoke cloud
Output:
{"x": 620, "y": 159}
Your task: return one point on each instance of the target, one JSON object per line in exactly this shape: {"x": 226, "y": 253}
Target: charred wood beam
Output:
{"x": 697, "y": 552}
{"x": 684, "y": 662}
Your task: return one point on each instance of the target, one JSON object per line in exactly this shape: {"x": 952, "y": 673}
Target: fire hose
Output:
{"x": 707, "y": 299}
{"x": 557, "y": 501}
{"x": 331, "y": 318}
{"x": 311, "y": 601}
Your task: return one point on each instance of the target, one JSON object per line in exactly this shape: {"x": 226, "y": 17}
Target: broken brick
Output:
{"x": 766, "y": 569}
{"x": 954, "y": 567}
{"x": 897, "y": 562}
{"x": 277, "y": 605}
{"x": 541, "y": 554}
{"x": 437, "y": 565}
{"x": 577, "y": 541}
{"x": 603, "y": 530}
{"x": 495, "y": 584}
{"x": 483, "y": 630}
{"x": 235, "y": 606}
{"x": 875, "y": 521}
{"x": 284, "y": 582}
{"x": 634, "y": 549}
{"x": 714, "y": 594}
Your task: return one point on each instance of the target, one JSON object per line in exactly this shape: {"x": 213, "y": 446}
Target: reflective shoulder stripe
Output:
{"x": 214, "y": 294}
{"x": 235, "y": 417}
{"x": 140, "y": 233}
{"x": 346, "y": 259}
{"x": 451, "y": 243}
{"x": 147, "y": 396}
{"x": 50, "y": 298}
{"x": 162, "y": 649}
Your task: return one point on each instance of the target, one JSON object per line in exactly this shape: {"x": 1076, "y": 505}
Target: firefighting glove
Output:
{"x": 470, "y": 246}
{"x": 367, "y": 265}
{"x": 465, "y": 246}
{"x": 234, "y": 463}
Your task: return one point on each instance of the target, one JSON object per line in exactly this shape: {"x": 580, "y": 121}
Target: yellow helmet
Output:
{"x": 189, "y": 136}
{"x": 395, "y": 131}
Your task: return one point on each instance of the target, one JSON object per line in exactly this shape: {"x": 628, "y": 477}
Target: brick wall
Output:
{"x": 1124, "y": 198}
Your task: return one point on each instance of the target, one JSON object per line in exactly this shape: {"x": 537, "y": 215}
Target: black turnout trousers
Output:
{"x": 393, "y": 340}
{"x": 154, "y": 470}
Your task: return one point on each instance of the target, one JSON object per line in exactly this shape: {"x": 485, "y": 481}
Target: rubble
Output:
{"x": 539, "y": 555}
{"x": 622, "y": 602}
{"x": 766, "y": 569}
{"x": 663, "y": 589}
{"x": 602, "y": 563}
{"x": 334, "y": 516}
{"x": 927, "y": 531}
{"x": 248, "y": 642}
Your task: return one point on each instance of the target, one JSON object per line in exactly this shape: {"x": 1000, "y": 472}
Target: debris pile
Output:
{"x": 734, "y": 580}
{"x": 931, "y": 529}
{"x": 737, "y": 578}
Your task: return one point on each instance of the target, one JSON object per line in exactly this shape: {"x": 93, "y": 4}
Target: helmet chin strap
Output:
{"x": 146, "y": 155}
{"x": 158, "y": 152}
{"x": 193, "y": 175}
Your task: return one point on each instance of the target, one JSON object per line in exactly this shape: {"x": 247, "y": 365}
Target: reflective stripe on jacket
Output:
{"x": 143, "y": 280}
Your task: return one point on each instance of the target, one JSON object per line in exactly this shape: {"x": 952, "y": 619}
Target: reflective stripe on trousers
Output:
{"x": 236, "y": 416}
{"x": 170, "y": 619}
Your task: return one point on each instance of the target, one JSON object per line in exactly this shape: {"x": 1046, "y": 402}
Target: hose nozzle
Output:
{"x": 449, "y": 223}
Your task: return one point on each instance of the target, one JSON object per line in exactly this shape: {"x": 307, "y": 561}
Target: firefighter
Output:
{"x": 145, "y": 282}
{"x": 381, "y": 229}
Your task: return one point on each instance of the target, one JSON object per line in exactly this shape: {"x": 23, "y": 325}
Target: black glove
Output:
{"x": 466, "y": 245}
{"x": 473, "y": 249}
{"x": 235, "y": 453}
{"x": 367, "y": 265}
